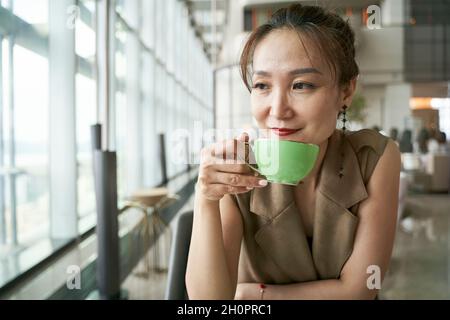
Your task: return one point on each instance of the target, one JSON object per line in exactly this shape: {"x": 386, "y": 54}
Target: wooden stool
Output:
{"x": 151, "y": 201}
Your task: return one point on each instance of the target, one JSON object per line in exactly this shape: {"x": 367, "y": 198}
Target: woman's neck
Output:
{"x": 311, "y": 180}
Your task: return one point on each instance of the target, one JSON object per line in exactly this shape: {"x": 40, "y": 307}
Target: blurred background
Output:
{"x": 158, "y": 75}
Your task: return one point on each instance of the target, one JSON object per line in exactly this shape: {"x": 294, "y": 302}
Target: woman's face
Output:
{"x": 293, "y": 89}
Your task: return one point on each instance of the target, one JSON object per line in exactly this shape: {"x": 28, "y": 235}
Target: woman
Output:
{"x": 331, "y": 236}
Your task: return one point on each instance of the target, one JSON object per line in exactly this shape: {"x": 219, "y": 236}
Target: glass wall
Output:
{"x": 24, "y": 123}
{"x": 86, "y": 110}
{"x": 163, "y": 82}
{"x": 158, "y": 53}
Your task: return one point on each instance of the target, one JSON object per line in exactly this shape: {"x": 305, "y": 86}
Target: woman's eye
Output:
{"x": 302, "y": 85}
{"x": 260, "y": 86}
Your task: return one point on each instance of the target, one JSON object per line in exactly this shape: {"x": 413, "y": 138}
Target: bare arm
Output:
{"x": 217, "y": 231}
{"x": 372, "y": 247}
{"x": 215, "y": 246}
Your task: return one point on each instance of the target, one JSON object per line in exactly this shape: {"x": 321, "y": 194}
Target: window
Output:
{"x": 24, "y": 129}
{"x": 120, "y": 110}
{"x": 86, "y": 116}
{"x": 162, "y": 82}
{"x": 86, "y": 112}
{"x": 175, "y": 81}
{"x": 33, "y": 12}
{"x": 443, "y": 106}
{"x": 31, "y": 130}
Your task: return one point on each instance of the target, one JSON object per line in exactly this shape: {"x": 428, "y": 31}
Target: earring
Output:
{"x": 344, "y": 120}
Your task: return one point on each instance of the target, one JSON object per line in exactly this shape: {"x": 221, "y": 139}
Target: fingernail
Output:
{"x": 263, "y": 183}
{"x": 249, "y": 188}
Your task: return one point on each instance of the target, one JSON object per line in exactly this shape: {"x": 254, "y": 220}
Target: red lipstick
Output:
{"x": 284, "y": 131}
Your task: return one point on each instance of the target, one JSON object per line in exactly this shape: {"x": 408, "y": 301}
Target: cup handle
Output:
{"x": 248, "y": 164}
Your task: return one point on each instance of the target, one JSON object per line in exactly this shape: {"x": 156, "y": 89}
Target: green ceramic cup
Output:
{"x": 284, "y": 161}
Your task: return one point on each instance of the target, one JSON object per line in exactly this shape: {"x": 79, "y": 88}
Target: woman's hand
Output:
{"x": 221, "y": 173}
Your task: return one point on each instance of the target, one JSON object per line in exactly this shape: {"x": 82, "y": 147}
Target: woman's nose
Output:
{"x": 280, "y": 107}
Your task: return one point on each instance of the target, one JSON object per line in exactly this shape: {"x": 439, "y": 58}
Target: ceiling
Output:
{"x": 330, "y": 4}
{"x": 209, "y": 23}
{"x": 346, "y": 3}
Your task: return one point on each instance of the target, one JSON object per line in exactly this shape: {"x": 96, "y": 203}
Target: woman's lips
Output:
{"x": 284, "y": 131}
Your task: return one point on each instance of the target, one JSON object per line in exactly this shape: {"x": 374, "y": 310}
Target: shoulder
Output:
{"x": 367, "y": 138}
{"x": 387, "y": 169}
{"x": 371, "y": 148}
{"x": 391, "y": 157}
{"x": 383, "y": 186}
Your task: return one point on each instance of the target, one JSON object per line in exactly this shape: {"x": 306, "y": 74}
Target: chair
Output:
{"x": 405, "y": 181}
{"x": 435, "y": 173}
{"x": 176, "y": 287}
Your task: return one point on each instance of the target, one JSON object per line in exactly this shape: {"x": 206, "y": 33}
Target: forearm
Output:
{"x": 314, "y": 290}
{"x": 207, "y": 274}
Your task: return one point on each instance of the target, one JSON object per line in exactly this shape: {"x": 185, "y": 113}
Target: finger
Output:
{"x": 227, "y": 150}
{"x": 233, "y": 168}
{"x": 208, "y": 155}
{"x": 242, "y": 151}
{"x": 243, "y": 137}
{"x": 232, "y": 152}
{"x": 221, "y": 189}
{"x": 218, "y": 150}
{"x": 219, "y": 164}
{"x": 238, "y": 180}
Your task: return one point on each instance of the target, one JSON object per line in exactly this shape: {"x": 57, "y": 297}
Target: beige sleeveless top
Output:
{"x": 275, "y": 249}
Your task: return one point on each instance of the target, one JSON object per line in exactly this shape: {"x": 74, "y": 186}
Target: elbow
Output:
{"x": 363, "y": 293}
{"x": 359, "y": 291}
{"x": 367, "y": 294}
{"x": 199, "y": 290}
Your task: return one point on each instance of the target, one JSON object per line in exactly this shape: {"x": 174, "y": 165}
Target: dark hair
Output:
{"x": 422, "y": 139}
{"x": 333, "y": 35}
{"x": 394, "y": 134}
{"x": 442, "y": 137}
{"x": 406, "y": 142}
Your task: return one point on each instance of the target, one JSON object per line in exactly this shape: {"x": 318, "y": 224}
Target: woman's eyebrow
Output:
{"x": 294, "y": 72}
{"x": 303, "y": 71}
